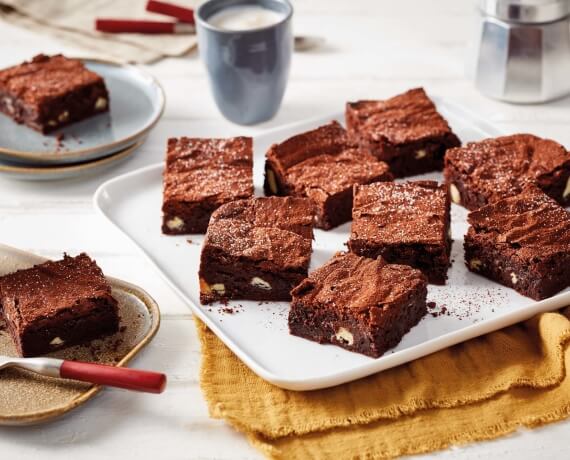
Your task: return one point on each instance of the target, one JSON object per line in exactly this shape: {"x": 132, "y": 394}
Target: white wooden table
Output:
{"x": 375, "y": 48}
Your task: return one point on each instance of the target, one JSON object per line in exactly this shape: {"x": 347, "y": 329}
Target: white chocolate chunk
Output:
{"x": 514, "y": 278}
{"x": 421, "y": 153}
{"x": 566, "y": 191}
{"x": 176, "y": 223}
{"x": 52, "y": 123}
{"x": 100, "y": 103}
{"x": 260, "y": 283}
{"x": 344, "y": 335}
{"x": 218, "y": 288}
{"x": 454, "y": 193}
{"x": 475, "y": 264}
{"x": 63, "y": 116}
{"x": 56, "y": 341}
{"x": 206, "y": 288}
{"x": 271, "y": 180}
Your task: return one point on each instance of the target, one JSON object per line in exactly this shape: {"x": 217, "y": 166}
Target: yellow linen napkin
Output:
{"x": 73, "y": 21}
{"x": 481, "y": 389}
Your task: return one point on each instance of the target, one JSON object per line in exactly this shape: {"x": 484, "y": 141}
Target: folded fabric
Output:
{"x": 73, "y": 21}
{"x": 481, "y": 389}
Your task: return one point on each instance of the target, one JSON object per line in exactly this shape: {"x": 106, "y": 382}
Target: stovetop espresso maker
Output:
{"x": 522, "y": 50}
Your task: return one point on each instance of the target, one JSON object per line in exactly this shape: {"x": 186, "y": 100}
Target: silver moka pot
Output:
{"x": 522, "y": 50}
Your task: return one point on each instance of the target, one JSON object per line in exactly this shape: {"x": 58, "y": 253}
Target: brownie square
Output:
{"x": 49, "y": 92}
{"x": 361, "y": 304}
{"x": 522, "y": 242}
{"x": 57, "y": 304}
{"x": 490, "y": 170}
{"x": 406, "y": 131}
{"x": 256, "y": 249}
{"x": 322, "y": 165}
{"x": 405, "y": 223}
{"x": 200, "y": 176}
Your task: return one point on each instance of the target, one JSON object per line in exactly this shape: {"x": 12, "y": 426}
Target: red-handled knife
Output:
{"x": 100, "y": 374}
{"x": 139, "y": 26}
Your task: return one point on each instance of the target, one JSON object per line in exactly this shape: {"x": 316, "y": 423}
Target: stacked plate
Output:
{"x": 95, "y": 144}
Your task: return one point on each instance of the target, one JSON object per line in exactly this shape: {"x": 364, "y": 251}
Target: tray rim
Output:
{"x": 110, "y": 148}
{"x": 388, "y": 361}
{"x": 56, "y": 412}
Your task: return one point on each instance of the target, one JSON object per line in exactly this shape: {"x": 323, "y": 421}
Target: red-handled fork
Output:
{"x": 100, "y": 374}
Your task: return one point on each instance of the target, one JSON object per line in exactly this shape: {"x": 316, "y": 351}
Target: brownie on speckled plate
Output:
{"x": 522, "y": 242}
{"x": 50, "y": 92}
{"x": 361, "y": 304}
{"x": 322, "y": 165}
{"x": 257, "y": 249}
{"x": 406, "y": 131}
{"x": 405, "y": 223}
{"x": 487, "y": 171}
{"x": 57, "y": 304}
{"x": 201, "y": 175}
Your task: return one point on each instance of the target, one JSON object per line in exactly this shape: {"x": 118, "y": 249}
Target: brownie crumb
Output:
{"x": 76, "y": 139}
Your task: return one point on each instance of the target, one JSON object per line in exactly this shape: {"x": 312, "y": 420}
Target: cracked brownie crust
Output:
{"x": 405, "y": 223}
{"x": 322, "y": 165}
{"x": 257, "y": 249}
{"x": 201, "y": 175}
{"x": 50, "y": 92}
{"x": 406, "y": 131}
{"x": 57, "y": 304}
{"x": 522, "y": 242}
{"x": 360, "y": 304}
{"x": 490, "y": 170}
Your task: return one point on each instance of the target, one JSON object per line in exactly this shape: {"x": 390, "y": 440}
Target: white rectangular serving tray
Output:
{"x": 468, "y": 305}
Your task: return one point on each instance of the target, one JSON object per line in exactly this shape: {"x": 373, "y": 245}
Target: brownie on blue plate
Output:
{"x": 50, "y": 92}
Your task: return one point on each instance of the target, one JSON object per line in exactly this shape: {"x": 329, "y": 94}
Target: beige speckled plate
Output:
{"x": 27, "y": 398}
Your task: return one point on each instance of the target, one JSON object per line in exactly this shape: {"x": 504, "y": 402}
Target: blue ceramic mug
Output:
{"x": 248, "y": 69}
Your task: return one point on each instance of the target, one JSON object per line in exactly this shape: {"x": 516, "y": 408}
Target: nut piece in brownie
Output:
{"x": 361, "y": 304}
{"x": 490, "y": 170}
{"x": 323, "y": 166}
{"x": 406, "y": 131}
{"x": 57, "y": 304}
{"x": 50, "y": 92}
{"x": 257, "y": 249}
{"x": 405, "y": 223}
{"x": 200, "y": 176}
{"x": 522, "y": 242}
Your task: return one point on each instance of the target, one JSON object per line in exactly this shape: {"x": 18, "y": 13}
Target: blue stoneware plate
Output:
{"x": 52, "y": 172}
{"x": 137, "y": 103}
